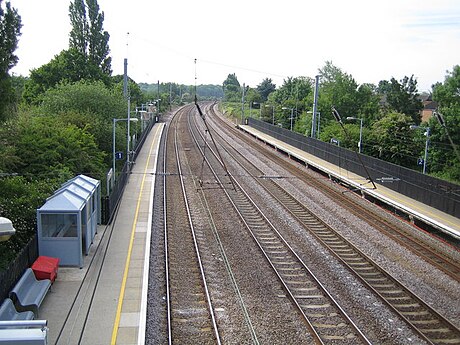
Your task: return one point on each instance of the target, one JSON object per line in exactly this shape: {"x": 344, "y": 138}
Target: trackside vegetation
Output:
{"x": 57, "y": 122}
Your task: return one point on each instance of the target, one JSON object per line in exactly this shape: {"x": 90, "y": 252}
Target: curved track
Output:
{"x": 431, "y": 326}
{"x": 326, "y": 320}
{"x": 425, "y": 249}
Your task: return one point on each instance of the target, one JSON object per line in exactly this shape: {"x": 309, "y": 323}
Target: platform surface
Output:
{"x": 440, "y": 220}
{"x": 117, "y": 265}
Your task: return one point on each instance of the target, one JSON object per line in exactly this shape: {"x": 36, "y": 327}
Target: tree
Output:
{"x": 47, "y": 147}
{"x": 88, "y": 105}
{"x": 444, "y": 161}
{"x": 265, "y": 88}
{"x": 392, "y": 140}
{"x": 10, "y": 29}
{"x": 231, "y": 87}
{"x": 337, "y": 89}
{"x": 88, "y": 36}
{"x": 402, "y": 97}
{"x": 67, "y": 67}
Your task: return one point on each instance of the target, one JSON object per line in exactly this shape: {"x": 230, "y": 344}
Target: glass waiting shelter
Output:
{"x": 67, "y": 222}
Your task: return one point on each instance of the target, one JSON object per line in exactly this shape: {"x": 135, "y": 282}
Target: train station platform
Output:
{"x": 413, "y": 208}
{"x": 105, "y": 302}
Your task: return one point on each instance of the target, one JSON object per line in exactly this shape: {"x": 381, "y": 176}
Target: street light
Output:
{"x": 319, "y": 121}
{"x": 292, "y": 113}
{"x": 360, "y": 143}
{"x": 131, "y": 119}
{"x": 427, "y": 134}
{"x": 273, "y": 112}
{"x": 6, "y": 229}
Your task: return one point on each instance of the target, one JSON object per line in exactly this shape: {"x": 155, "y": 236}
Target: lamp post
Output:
{"x": 360, "y": 143}
{"x": 273, "y": 112}
{"x": 318, "y": 117}
{"x": 158, "y": 107}
{"x": 427, "y": 141}
{"x": 292, "y": 113}
{"x": 134, "y": 119}
{"x": 6, "y": 229}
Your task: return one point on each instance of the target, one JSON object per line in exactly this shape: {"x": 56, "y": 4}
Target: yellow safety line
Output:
{"x": 128, "y": 258}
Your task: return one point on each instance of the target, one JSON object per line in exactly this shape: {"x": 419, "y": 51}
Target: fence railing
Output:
{"x": 440, "y": 194}
{"x": 109, "y": 203}
{"x": 29, "y": 253}
{"x": 10, "y": 276}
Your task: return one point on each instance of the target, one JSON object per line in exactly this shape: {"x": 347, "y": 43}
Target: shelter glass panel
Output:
{"x": 59, "y": 225}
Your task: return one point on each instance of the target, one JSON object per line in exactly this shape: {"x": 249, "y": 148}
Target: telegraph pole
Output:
{"x": 315, "y": 106}
{"x": 242, "y": 105}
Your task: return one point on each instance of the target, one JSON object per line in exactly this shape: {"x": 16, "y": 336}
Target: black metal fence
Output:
{"x": 10, "y": 276}
{"x": 29, "y": 254}
{"x": 442, "y": 195}
{"x": 109, "y": 203}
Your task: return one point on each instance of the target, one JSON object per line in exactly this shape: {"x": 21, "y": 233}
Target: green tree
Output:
{"x": 443, "y": 157}
{"x": 87, "y": 35}
{"x": 232, "y": 88}
{"x": 67, "y": 67}
{"x": 392, "y": 140}
{"x": 19, "y": 201}
{"x": 402, "y": 97}
{"x": 10, "y": 29}
{"x": 88, "y": 105}
{"x": 337, "y": 89}
{"x": 265, "y": 88}
{"x": 49, "y": 148}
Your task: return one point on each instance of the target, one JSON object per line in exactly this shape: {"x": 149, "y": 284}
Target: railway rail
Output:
{"x": 190, "y": 313}
{"x": 326, "y": 320}
{"x": 430, "y": 325}
{"x": 427, "y": 249}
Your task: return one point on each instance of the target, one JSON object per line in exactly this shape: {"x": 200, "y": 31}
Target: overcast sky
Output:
{"x": 371, "y": 40}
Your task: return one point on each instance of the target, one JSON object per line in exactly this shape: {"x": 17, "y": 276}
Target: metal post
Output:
{"x": 360, "y": 135}
{"x": 319, "y": 121}
{"x": 315, "y": 104}
{"x": 292, "y": 116}
{"x": 427, "y": 133}
{"x": 242, "y": 105}
{"x": 128, "y": 136}
{"x": 113, "y": 146}
{"x": 426, "y": 149}
{"x": 170, "y": 94}
{"x": 125, "y": 79}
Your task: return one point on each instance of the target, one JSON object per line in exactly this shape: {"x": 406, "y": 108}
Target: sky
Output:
{"x": 184, "y": 41}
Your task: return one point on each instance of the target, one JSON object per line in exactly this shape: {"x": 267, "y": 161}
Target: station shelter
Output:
{"x": 67, "y": 222}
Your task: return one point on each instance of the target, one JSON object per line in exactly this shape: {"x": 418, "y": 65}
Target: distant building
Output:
{"x": 429, "y": 107}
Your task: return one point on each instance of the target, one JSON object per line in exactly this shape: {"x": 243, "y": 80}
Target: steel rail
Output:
{"x": 197, "y": 249}
{"x": 381, "y": 282}
{"x": 315, "y": 328}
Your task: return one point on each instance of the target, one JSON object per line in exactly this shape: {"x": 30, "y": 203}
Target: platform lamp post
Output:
{"x": 6, "y": 229}
{"x": 360, "y": 142}
{"x": 427, "y": 142}
{"x": 133, "y": 119}
{"x": 318, "y": 118}
{"x": 292, "y": 114}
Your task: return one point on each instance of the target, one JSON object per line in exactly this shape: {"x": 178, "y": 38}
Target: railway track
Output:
{"x": 418, "y": 245}
{"x": 430, "y": 325}
{"x": 327, "y": 321}
{"x": 190, "y": 314}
